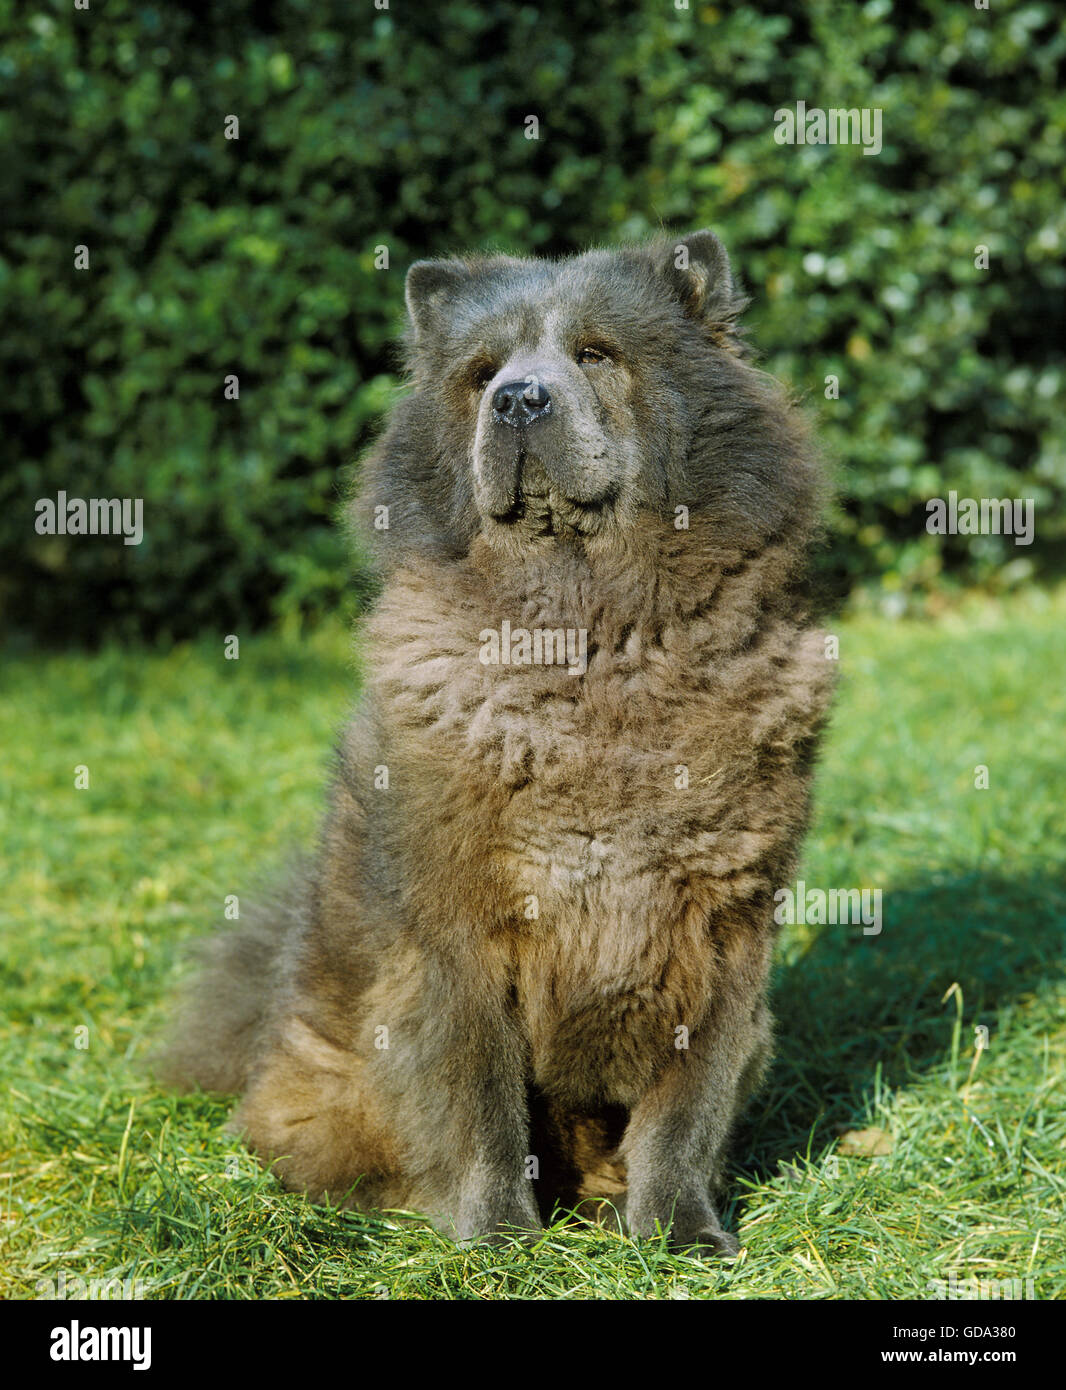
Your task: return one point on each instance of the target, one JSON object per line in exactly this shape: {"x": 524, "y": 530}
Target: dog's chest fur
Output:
{"x": 600, "y": 828}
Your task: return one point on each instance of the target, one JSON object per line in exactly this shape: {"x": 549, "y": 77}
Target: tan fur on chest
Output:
{"x": 597, "y": 829}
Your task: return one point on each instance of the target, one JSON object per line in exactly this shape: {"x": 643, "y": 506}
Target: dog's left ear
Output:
{"x": 697, "y": 270}
{"x": 429, "y": 289}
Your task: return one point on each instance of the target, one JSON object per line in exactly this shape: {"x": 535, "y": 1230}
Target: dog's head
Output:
{"x": 560, "y": 400}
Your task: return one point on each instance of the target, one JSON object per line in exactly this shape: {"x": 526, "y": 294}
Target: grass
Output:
{"x": 202, "y": 771}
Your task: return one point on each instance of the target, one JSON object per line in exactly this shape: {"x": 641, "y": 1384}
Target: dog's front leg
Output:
{"x": 472, "y": 1064}
{"x": 676, "y": 1137}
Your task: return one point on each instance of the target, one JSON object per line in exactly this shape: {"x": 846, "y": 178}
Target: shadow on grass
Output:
{"x": 850, "y": 1002}
{"x": 846, "y": 1004}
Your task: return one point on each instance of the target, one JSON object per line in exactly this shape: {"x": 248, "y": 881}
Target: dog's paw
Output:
{"x": 691, "y": 1225}
{"x": 708, "y": 1244}
{"x": 489, "y": 1223}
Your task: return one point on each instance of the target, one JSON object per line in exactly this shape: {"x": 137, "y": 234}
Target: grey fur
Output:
{"x": 614, "y": 1035}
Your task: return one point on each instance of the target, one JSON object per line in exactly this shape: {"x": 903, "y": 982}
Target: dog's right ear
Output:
{"x": 697, "y": 266}
{"x": 695, "y": 269}
{"x": 430, "y": 288}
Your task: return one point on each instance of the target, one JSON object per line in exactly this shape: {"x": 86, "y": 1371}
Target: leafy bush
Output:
{"x": 950, "y": 377}
{"x": 406, "y": 129}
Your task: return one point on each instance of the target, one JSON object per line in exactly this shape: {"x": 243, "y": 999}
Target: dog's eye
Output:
{"x": 587, "y": 355}
{"x": 482, "y": 374}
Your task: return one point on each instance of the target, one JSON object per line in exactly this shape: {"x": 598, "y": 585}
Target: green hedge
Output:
{"x": 405, "y": 128}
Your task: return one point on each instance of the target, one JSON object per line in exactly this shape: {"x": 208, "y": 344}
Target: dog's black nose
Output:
{"x": 519, "y": 403}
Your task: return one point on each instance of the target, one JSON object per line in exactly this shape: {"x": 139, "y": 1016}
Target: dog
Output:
{"x": 526, "y": 968}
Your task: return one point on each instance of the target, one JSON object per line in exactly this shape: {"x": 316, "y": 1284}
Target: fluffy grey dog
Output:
{"x": 528, "y": 964}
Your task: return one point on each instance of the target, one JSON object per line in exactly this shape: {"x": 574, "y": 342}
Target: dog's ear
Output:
{"x": 430, "y": 287}
{"x": 696, "y": 269}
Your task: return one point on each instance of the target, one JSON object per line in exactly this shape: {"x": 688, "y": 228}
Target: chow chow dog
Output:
{"x": 526, "y": 968}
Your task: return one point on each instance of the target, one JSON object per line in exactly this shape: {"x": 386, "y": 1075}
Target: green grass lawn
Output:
{"x": 203, "y": 771}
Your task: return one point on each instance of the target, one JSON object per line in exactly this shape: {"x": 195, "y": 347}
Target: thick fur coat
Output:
{"x": 528, "y": 964}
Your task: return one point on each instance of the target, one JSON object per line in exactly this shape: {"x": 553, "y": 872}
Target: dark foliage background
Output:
{"x": 405, "y": 128}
